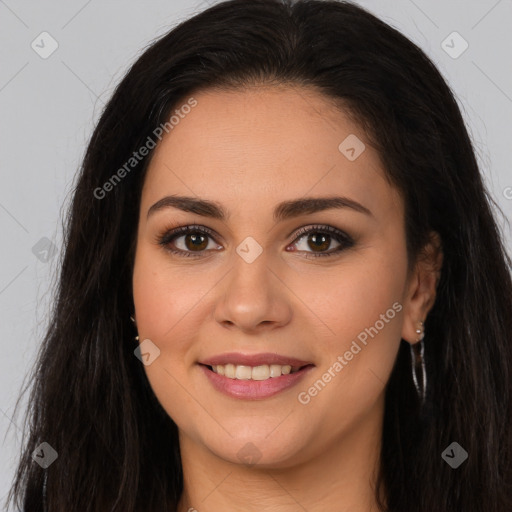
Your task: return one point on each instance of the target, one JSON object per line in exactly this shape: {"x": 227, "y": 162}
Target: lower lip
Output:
{"x": 254, "y": 389}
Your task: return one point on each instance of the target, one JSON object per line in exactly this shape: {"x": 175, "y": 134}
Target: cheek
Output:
{"x": 351, "y": 297}
{"x": 362, "y": 308}
{"x": 164, "y": 297}
{"x": 164, "y": 307}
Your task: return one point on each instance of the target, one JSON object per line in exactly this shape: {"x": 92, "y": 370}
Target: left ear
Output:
{"x": 422, "y": 286}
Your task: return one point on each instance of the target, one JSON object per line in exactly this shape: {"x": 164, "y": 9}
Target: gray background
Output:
{"x": 48, "y": 108}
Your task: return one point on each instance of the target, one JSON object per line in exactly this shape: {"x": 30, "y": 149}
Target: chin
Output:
{"x": 260, "y": 451}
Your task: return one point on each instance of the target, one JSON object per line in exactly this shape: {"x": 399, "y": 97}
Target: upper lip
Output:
{"x": 237, "y": 358}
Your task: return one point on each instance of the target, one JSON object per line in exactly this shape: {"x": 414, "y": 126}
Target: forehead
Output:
{"x": 247, "y": 146}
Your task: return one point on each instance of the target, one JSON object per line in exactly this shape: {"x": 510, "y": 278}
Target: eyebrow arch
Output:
{"x": 283, "y": 211}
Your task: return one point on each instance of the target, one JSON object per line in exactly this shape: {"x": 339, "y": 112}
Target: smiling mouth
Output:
{"x": 258, "y": 373}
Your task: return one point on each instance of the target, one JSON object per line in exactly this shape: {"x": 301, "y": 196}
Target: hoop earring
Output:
{"x": 133, "y": 320}
{"x": 419, "y": 374}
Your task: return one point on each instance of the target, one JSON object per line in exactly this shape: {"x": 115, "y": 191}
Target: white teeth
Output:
{"x": 260, "y": 372}
{"x": 275, "y": 370}
{"x": 242, "y": 372}
{"x": 229, "y": 371}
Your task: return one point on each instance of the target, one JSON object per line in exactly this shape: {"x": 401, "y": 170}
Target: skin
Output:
{"x": 249, "y": 150}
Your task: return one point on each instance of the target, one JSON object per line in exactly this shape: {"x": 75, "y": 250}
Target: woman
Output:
{"x": 283, "y": 286}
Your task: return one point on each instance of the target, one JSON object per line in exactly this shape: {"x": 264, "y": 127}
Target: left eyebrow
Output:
{"x": 283, "y": 211}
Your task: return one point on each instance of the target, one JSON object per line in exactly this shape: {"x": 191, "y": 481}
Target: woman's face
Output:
{"x": 253, "y": 291}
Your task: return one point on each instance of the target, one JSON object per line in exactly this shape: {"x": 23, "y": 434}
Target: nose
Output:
{"x": 253, "y": 297}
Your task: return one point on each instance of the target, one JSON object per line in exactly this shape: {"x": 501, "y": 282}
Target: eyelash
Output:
{"x": 339, "y": 236}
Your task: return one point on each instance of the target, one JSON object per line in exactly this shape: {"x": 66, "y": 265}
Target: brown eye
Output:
{"x": 314, "y": 241}
{"x": 318, "y": 239}
{"x": 195, "y": 242}
{"x": 187, "y": 240}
